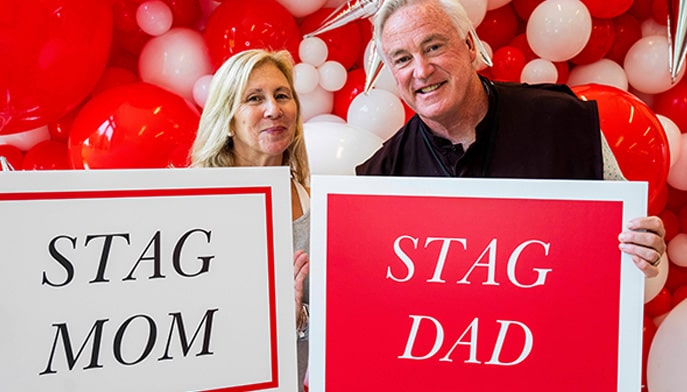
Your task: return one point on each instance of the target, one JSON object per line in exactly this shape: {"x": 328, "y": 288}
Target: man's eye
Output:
{"x": 402, "y": 60}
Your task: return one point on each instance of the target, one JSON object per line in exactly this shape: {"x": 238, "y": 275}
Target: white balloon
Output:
{"x": 677, "y": 250}
{"x": 476, "y": 10}
{"x": 385, "y": 79}
{"x": 665, "y": 368}
{"x": 490, "y": 52}
{"x": 26, "y": 139}
{"x": 558, "y": 30}
{"x": 333, "y": 118}
{"x": 201, "y": 88}
{"x": 652, "y": 27}
{"x": 539, "y": 71}
{"x": 301, "y": 8}
{"x": 154, "y": 17}
{"x": 653, "y": 286}
{"x": 305, "y": 78}
{"x": 332, "y": 75}
{"x": 175, "y": 60}
{"x": 673, "y": 134}
{"x": 336, "y": 148}
{"x": 379, "y": 112}
{"x": 604, "y": 71}
{"x": 319, "y": 101}
{"x": 313, "y": 50}
{"x": 646, "y": 65}
{"x": 677, "y": 174}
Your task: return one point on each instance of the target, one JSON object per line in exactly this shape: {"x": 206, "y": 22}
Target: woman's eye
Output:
{"x": 254, "y": 98}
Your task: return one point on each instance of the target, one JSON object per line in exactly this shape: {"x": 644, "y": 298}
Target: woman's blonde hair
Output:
{"x": 213, "y": 146}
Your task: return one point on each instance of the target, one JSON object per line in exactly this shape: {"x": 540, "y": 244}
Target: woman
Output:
{"x": 252, "y": 117}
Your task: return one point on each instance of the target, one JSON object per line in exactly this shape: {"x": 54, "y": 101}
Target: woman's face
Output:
{"x": 265, "y": 122}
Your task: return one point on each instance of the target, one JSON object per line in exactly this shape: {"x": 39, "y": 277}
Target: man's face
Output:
{"x": 431, "y": 63}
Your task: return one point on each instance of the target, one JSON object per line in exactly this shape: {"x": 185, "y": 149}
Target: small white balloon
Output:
{"x": 305, "y": 78}
{"x": 677, "y": 250}
{"x": 652, "y": 27}
{"x": 200, "y": 89}
{"x": 319, "y": 101}
{"x": 539, "y": 71}
{"x": 154, "y": 17}
{"x": 333, "y": 118}
{"x": 665, "y": 367}
{"x": 379, "y": 112}
{"x": 604, "y": 71}
{"x": 673, "y": 134}
{"x": 494, "y": 4}
{"x": 336, "y": 148}
{"x": 646, "y": 65}
{"x": 332, "y": 75}
{"x": 558, "y": 30}
{"x": 313, "y": 50}
{"x": 301, "y": 8}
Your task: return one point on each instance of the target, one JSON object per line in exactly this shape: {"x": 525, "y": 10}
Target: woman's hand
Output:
{"x": 301, "y": 267}
{"x": 644, "y": 239}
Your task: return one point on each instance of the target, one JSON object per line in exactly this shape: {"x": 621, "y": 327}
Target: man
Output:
{"x": 469, "y": 126}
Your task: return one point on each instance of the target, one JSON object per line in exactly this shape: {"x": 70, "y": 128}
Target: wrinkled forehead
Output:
{"x": 414, "y": 24}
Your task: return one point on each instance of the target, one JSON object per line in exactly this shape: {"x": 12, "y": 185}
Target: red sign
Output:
{"x": 438, "y": 293}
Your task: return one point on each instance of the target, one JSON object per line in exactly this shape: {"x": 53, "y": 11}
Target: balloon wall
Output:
{"x": 88, "y": 84}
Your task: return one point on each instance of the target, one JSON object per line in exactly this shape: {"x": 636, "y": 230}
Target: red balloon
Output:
{"x": 238, "y": 25}
{"x": 520, "y": 42}
{"x": 343, "y": 43}
{"x": 678, "y": 295}
{"x": 676, "y": 199}
{"x": 563, "y": 71}
{"x": 659, "y": 305}
{"x": 677, "y": 277}
{"x": 607, "y": 8}
{"x": 54, "y": 52}
{"x": 634, "y": 134}
{"x": 136, "y": 125}
{"x": 628, "y": 30}
{"x": 673, "y": 104}
{"x": 658, "y": 204}
{"x": 524, "y": 8}
{"x": 128, "y": 36}
{"x": 600, "y": 42}
{"x": 47, "y": 155}
{"x": 648, "y": 332}
{"x": 670, "y": 223}
{"x": 499, "y": 26}
{"x": 355, "y": 84}
{"x": 508, "y": 64}
{"x": 185, "y": 13}
{"x": 13, "y": 155}
{"x": 659, "y": 11}
{"x": 682, "y": 219}
{"x": 59, "y": 130}
{"x": 641, "y": 9}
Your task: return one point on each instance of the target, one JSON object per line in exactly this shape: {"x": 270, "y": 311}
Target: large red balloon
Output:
{"x": 137, "y": 125}
{"x": 634, "y": 134}
{"x": 47, "y": 155}
{"x": 238, "y": 25}
{"x": 53, "y": 53}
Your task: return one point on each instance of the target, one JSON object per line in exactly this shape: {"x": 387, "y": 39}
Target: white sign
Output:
{"x": 165, "y": 280}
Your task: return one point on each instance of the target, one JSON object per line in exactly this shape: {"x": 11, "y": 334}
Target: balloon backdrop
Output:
{"x": 54, "y": 52}
{"x": 119, "y": 83}
{"x": 138, "y": 125}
